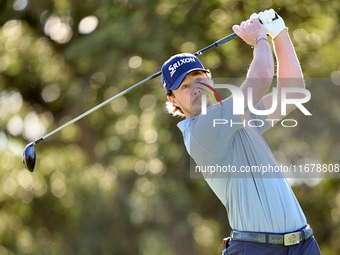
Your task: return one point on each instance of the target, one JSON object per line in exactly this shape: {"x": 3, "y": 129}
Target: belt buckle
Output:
{"x": 292, "y": 238}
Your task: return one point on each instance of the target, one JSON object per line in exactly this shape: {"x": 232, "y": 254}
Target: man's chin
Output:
{"x": 195, "y": 111}
{"x": 196, "y": 107}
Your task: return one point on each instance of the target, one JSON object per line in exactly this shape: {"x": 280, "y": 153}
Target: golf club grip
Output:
{"x": 216, "y": 44}
{"x": 224, "y": 40}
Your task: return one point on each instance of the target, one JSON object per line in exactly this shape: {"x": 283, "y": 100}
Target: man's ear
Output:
{"x": 173, "y": 100}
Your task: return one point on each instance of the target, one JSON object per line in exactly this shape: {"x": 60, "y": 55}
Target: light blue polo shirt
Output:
{"x": 254, "y": 201}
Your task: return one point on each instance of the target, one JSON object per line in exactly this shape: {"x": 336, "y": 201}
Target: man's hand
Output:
{"x": 250, "y": 31}
{"x": 273, "y": 27}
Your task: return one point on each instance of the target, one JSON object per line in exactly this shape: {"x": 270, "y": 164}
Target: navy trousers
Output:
{"x": 307, "y": 247}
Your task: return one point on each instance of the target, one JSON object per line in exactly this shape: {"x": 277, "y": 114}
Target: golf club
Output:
{"x": 29, "y": 154}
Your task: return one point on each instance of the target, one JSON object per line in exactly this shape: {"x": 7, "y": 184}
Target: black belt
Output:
{"x": 271, "y": 238}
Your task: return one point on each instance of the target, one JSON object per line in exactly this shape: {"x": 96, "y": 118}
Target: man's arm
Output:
{"x": 261, "y": 70}
{"x": 288, "y": 67}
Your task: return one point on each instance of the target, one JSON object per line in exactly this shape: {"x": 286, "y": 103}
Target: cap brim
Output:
{"x": 180, "y": 79}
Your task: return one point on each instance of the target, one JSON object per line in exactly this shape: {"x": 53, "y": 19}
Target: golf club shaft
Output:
{"x": 215, "y": 44}
{"x": 96, "y": 107}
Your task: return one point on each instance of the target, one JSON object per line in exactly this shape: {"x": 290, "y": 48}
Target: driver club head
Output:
{"x": 28, "y": 156}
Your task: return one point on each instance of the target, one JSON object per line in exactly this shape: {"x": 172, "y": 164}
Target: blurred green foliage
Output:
{"x": 117, "y": 181}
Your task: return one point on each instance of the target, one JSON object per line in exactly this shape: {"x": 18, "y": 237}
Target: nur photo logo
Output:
{"x": 280, "y": 98}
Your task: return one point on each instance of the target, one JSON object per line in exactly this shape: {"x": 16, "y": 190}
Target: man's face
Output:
{"x": 188, "y": 96}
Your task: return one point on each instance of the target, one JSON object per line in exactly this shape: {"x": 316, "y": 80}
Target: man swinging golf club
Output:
{"x": 264, "y": 214}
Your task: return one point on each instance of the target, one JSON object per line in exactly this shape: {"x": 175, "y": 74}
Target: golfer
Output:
{"x": 264, "y": 213}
